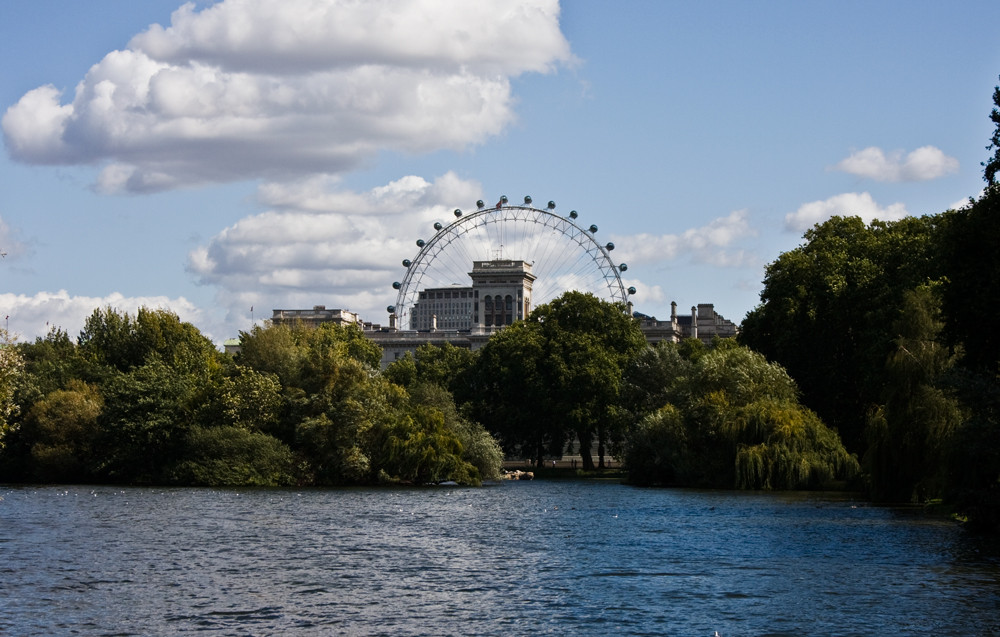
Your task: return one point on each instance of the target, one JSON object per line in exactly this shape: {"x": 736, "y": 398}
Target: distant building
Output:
{"x": 703, "y": 323}
{"x": 314, "y": 317}
{"x": 500, "y": 294}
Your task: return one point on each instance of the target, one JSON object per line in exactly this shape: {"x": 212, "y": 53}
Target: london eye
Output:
{"x": 562, "y": 253}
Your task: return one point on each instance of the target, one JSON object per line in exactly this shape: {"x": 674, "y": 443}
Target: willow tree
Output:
{"x": 910, "y": 433}
{"x": 732, "y": 419}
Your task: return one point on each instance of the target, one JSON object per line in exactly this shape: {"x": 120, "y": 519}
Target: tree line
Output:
{"x": 149, "y": 400}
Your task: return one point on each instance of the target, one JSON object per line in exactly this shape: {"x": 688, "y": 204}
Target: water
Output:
{"x": 540, "y": 558}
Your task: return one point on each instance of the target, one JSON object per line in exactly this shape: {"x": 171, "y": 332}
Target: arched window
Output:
{"x": 508, "y": 310}
{"x": 488, "y": 311}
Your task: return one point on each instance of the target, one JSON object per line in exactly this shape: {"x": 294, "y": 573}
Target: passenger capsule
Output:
{"x": 391, "y": 309}
{"x": 552, "y": 205}
{"x": 623, "y": 267}
{"x": 527, "y": 200}
{"x": 407, "y": 263}
{"x": 631, "y": 290}
{"x": 609, "y": 246}
{"x": 396, "y": 285}
{"x": 592, "y": 228}
{"x": 458, "y": 213}
{"x": 438, "y": 226}
{"x": 479, "y": 203}
{"x": 503, "y": 200}
{"x": 420, "y": 243}
{"x": 573, "y": 214}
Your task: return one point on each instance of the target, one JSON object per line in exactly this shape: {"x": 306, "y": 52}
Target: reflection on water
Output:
{"x": 538, "y": 557}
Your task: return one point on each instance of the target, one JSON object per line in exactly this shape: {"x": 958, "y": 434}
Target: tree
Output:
{"x": 232, "y": 456}
{"x": 827, "y": 308}
{"x": 555, "y": 375}
{"x": 122, "y": 342}
{"x": 731, "y": 419}
{"x": 992, "y": 165}
{"x": 62, "y": 429}
{"x": 479, "y": 448}
{"x": 508, "y": 393}
{"x": 910, "y": 433}
{"x": 11, "y": 367}
{"x": 971, "y": 264}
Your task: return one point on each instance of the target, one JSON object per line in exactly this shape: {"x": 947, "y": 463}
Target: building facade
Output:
{"x": 499, "y": 295}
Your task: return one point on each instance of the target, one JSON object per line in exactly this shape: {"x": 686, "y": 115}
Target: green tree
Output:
{"x": 729, "y": 418}
{"x": 123, "y": 342}
{"x": 508, "y": 391}
{"x": 232, "y": 456}
{"x": 992, "y": 165}
{"x": 147, "y": 413}
{"x": 911, "y": 432}
{"x": 827, "y": 308}
{"x": 556, "y": 375}
{"x": 479, "y": 448}
{"x": 971, "y": 264}
{"x": 62, "y": 429}
{"x": 11, "y": 368}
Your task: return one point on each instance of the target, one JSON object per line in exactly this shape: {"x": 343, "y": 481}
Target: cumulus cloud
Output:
{"x": 922, "y": 164}
{"x": 319, "y": 244}
{"x": 712, "y": 244}
{"x": 279, "y": 88}
{"x": 849, "y": 204}
{"x": 33, "y": 316}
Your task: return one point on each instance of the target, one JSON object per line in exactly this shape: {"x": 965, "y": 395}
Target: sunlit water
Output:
{"x": 550, "y": 558}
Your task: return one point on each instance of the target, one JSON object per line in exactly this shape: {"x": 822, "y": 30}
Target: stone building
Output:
{"x": 500, "y": 294}
{"x": 703, "y": 323}
{"x": 315, "y": 317}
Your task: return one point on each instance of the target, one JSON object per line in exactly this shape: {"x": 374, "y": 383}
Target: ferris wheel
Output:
{"x": 563, "y": 255}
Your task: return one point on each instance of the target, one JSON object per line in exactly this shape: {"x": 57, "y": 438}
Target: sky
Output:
{"x": 223, "y": 159}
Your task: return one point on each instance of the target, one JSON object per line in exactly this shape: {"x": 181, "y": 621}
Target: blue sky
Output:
{"x": 285, "y": 154}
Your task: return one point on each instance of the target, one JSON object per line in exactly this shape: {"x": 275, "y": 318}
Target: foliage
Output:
{"x": 729, "y": 419}
{"x": 974, "y": 459}
{"x": 232, "y": 456}
{"x": 909, "y": 434}
{"x": 122, "y": 342}
{"x": 826, "y": 307}
{"x": 352, "y": 425}
{"x": 992, "y": 166}
{"x": 508, "y": 393}
{"x": 11, "y": 367}
{"x": 968, "y": 240}
{"x": 557, "y": 375}
{"x": 420, "y": 449}
{"x": 62, "y": 429}
{"x": 479, "y": 448}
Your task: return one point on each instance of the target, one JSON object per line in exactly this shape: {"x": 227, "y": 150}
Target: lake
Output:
{"x": 539, "y": 558}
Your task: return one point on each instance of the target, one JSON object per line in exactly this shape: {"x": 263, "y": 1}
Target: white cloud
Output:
{"x": 849, "y": 204}
{"x": 33, "y": 316}
{"x": 280, "y": 88}
{"x": 320, "y": 245}
{"x": 923, "y": 164}
{"x": 712, "y": 244}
